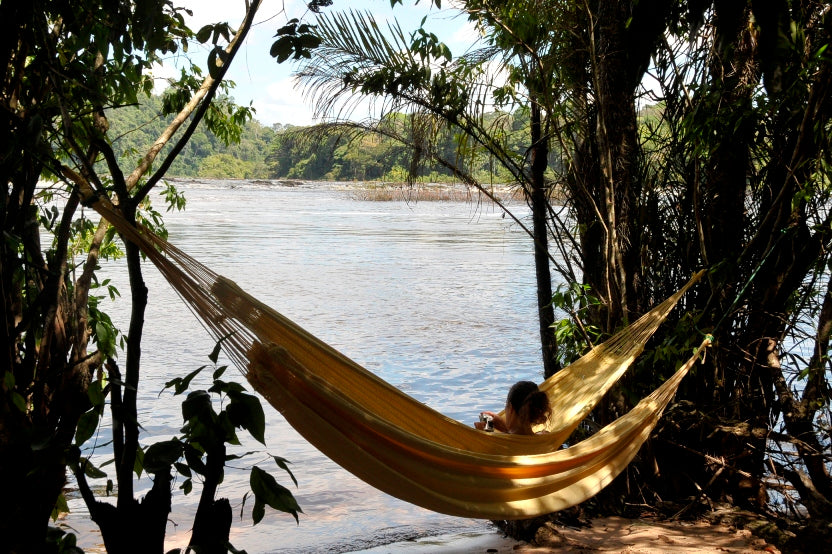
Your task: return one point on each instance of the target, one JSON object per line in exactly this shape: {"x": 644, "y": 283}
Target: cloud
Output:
{"x": 283, "y": 103}
{"x": 161, "y": 73}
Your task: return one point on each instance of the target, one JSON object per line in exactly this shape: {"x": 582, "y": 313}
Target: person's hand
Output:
{"x": 494, "y": 419}
{"x": 498, "y": 421}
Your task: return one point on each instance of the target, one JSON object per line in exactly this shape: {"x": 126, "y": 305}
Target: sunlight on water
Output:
{"x": 435, "y": 297}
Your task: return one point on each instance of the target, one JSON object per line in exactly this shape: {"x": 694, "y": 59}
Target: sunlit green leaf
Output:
{"x": 61, "y": 507}
{"x": 90, "y": 470}
{"x": 95, "y": 393}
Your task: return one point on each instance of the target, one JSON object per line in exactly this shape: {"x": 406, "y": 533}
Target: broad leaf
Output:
{"x": 268, "y": 491}
{"x": 90, "y": 470}
{"x": 196, "y": 405}
{"x": 161, "y": 455}
{"x": 86, "y": 426}
{"x": 245, "y": 411}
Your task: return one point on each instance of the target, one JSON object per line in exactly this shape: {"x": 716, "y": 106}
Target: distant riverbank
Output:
{"x": 384, "y": 191}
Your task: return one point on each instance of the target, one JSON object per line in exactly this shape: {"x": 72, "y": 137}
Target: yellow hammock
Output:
{"x": 399, "y": 445}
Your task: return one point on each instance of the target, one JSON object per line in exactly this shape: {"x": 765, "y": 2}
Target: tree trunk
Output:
{"x": 212, "y": 523}
{"x": 539, "y": 202}
{"x": 135, "y": 526}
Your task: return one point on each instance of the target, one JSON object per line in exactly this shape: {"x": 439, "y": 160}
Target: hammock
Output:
{"x": 399, "y": 445}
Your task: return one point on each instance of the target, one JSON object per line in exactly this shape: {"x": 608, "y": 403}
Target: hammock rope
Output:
{"x": 396, "y": 443}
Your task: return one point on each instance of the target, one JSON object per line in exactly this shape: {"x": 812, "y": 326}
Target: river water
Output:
{"x": 435, "y": 297}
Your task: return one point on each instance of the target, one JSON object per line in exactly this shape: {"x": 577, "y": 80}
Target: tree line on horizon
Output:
{"x": 285, "y": 151}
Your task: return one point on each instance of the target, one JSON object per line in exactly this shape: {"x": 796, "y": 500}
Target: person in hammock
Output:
{"x": 526, "y": 406}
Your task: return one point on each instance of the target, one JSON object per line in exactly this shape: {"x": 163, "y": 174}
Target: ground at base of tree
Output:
{"x": 606, "y": 534}
{"x": 696, "y": 529}
{"x": 645, "y": 536}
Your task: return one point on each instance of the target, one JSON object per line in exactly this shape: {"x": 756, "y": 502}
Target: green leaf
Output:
{"x": 18, "y": 401}
{"x": 227, "y": 387}
{"x": 283, "y": 464}
{"x": 194, "y": 459}
{"x": 90, "y": 470}
{"x": 138, "y": 465}
{"x": 245, "y": 411}
{"x": 258, "y": 511}
{"x": 161, "y": 455}
{"x": 95, "y": 393}
{"x": 183, "y": 469}
{"x": 219, "y": 371}
{"x": 288, "y": 29}
{"x": 282, "y": 49}
{"x": 243, "y": 505}
{"x": 187, "y": 486}
{"x": 87, "y": 425}
{"x": 215, "y": 353}
{"x": 105, "y": 338}
{"x": 268, "y": 491}
{"x": 309, "y": 42}
{"x": 181, "y": 384}
{"x": 213, "y": 68}
{"x": 61, "y": 507}
{"x": 204, "y": 34}
{"x": 196, "y": 405}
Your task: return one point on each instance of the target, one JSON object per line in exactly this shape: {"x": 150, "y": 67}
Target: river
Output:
{"x": 434, "y": 297}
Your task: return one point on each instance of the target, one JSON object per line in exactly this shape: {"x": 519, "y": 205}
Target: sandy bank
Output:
{"x": 609, "y": 534}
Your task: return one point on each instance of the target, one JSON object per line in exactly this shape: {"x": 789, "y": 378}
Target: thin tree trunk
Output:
{"x": 539, "y": 205}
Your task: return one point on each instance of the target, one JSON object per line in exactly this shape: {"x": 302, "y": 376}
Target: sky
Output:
{"x": 269, "y": 86}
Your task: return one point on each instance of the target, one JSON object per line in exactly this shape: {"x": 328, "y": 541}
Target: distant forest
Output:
{"x": 291, "y": 152}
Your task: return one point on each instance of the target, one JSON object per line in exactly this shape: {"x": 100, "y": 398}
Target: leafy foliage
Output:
{"x": 389, "y": 151}
{"x": 296, "y": 40}
{"x": 235, "y": 147}
{"x": 70, "y": 65}
{"x": 283, "y": 151}
{"x": 206, "y": 430}
{"x": 576, "y": 332}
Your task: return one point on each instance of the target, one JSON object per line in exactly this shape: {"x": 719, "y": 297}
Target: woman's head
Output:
{"x": 529, "y": 403}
